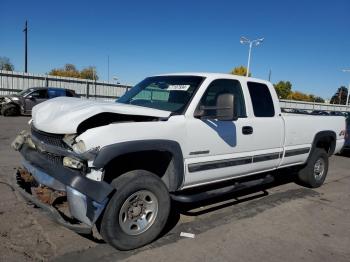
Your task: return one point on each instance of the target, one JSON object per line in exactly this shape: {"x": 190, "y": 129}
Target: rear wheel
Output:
{"x": 10, "y": 110}
{"x": 314, "y": 173}
{"x": 138, "y": 211}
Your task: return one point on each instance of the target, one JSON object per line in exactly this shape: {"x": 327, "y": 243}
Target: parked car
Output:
{"x": 337, "y": 113}
{"x": 299, "y": 111}
{"x": 24, "y": 101}
{"x": 121, "y": 163}
{"x": 319, "y": 112}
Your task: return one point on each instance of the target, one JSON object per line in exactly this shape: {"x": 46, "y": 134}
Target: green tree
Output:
{"x": 5, "y": 64}
{"x": 316, "y": 99}
{"x": 319, "y": 99}
{"x": 340, "y": 96}
{"x": 283, "y": 89}
{"x": 240, "y": 71}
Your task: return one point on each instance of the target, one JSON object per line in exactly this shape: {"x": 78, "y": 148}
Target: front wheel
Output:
{"x": 314, "y": 173}
{"x": 10, "y": 110}
{"x": 137, "y": 212}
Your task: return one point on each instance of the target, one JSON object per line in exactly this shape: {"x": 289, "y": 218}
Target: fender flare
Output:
{"x": 176, "y": 175}
{"x": 11, "y": 103}
{"x": 319, "y": 136}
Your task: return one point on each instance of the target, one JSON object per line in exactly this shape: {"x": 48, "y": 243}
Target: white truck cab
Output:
{"x": 167, "y": 134}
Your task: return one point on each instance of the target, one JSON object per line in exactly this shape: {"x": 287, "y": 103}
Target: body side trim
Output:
{"x": 299, "y": 151}
{"x": 202, "y": 166}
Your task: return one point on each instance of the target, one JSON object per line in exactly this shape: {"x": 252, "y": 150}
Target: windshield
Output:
{"x": 170, "y": 93}
{"x": 24, "y": 92}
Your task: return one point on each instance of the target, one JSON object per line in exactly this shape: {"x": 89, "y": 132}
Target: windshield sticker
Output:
{"x": 178, "y": 87}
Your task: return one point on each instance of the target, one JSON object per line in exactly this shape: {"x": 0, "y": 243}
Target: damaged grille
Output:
{"x": 55, "y": 160}
{"x": 51, "y": 139}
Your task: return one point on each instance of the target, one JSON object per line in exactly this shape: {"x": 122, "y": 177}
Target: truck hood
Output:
{"x": 63, "y": 115}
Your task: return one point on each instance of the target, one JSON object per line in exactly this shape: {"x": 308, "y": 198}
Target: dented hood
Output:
{"x": 63, "y": 115}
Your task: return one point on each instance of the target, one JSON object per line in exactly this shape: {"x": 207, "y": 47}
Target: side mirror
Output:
{"x": 225, "y": 105}
{"x": 223, "y": 111}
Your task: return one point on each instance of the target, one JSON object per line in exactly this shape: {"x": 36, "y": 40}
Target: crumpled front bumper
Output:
{"x": 86, "y": 198}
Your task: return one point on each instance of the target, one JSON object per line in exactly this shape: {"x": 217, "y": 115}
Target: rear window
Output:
{"x": 261, "y": 100}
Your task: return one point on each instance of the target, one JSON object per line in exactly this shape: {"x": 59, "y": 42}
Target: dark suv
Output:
{"x": 23, "y": 102}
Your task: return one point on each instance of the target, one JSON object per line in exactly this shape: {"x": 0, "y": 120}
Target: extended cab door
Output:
{"x": 218, "y": 150}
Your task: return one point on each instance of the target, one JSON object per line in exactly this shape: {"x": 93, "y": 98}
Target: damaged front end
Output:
{"x": 69, "y": 194}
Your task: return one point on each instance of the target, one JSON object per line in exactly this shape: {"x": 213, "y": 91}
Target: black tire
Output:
{"x": 10, "y": 110}
{"x": 309, "y": 175}
{"x": 126, "y": 185}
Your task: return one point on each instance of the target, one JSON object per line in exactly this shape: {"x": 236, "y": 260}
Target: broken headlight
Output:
{"x": 69, "y": 140}
{"x": 72, "y": 163}
{"x": 77, "y": 146}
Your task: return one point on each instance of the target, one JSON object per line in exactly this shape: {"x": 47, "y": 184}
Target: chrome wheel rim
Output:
{"x": 319, "y": 168}
{"x": 138, "y": 212}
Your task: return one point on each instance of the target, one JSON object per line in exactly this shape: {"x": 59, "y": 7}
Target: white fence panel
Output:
{"x": 13, "y": 82}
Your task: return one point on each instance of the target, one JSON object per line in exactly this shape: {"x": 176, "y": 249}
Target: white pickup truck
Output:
{"x": 119, "y": 164}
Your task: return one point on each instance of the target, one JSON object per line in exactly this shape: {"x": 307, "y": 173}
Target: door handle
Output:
{"x": 247, "y": 130}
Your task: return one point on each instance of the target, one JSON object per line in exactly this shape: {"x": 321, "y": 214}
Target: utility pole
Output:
{"x": 108, "y": 67}
{"x": 26, "y": 47}
{"x": 94, "y": 76}
{"x": 270, "y": 72}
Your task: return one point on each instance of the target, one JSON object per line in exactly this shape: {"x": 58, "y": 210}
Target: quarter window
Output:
{"x": 261, "y": 100}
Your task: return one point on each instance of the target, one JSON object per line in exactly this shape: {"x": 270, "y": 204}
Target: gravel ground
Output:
{"x": 283, "y": 222}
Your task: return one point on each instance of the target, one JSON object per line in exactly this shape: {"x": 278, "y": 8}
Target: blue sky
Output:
{"x": 306, "y": 42}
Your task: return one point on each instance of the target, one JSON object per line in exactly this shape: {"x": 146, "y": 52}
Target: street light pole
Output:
{"x": 249, "y": 53}
{"x": 108, "y": 66}
{"x": 251, "y": 43}
{"x": 26, "y": 47}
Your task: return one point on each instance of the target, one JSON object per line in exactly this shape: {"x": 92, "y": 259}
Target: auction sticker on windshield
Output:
{"x": 178, "y": 87}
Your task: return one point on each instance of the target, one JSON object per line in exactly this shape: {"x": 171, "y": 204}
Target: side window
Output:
{"x": 40, "y": 94}
{"x": 223, "y": 86}
{"x": 261, "y": 100}
{"x": 56, "y": 93}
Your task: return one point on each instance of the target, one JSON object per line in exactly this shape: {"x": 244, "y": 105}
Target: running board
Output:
{"x": 205, "y": 195}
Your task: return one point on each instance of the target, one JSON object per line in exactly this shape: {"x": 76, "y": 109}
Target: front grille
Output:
{"x": 51, "y": 139}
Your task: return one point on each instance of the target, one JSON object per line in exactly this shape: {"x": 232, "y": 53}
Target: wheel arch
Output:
{"x": 162, "y": 157}
{"x": 325, "y": 140}
{"x": 18, "y": 107}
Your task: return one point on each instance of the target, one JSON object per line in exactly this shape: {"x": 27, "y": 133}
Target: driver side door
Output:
{"x": 217, "y": 149}
{"x": 34, "y": 98}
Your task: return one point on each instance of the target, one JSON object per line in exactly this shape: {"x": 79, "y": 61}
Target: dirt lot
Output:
{"x": 284, "y": 222}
